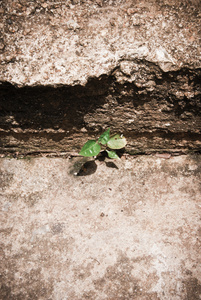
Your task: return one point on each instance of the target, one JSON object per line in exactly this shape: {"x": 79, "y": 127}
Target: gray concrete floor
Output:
{"x": 130, "y": 229}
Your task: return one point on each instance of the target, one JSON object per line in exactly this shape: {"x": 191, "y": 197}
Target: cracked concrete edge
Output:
{"x": 80, "y": 72}
{"x": 84, "y": 40}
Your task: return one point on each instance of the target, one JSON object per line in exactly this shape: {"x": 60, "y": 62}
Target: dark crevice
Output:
{"x": 48, "y": 107}
{"x": 73, "y": 113}
{"x": 188, "y": 136}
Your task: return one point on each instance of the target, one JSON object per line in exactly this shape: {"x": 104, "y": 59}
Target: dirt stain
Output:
{"x": 193, "y": 289}
{"x": 118, "y": 283}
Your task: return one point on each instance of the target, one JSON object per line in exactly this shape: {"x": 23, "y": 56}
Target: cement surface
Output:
{"x": 68, "y": 42}
{"x": 128, "y": 229}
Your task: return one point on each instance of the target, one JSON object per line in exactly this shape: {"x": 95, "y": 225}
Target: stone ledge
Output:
{"x": 66, "y": 43}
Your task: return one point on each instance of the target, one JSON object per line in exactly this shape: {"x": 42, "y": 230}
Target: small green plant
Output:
{"x": 93, "y": 147}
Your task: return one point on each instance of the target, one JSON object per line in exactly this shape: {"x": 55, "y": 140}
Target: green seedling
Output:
{"x": 93, "y": 147}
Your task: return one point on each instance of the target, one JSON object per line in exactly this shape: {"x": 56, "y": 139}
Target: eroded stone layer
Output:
{"x": 162, "y": 113}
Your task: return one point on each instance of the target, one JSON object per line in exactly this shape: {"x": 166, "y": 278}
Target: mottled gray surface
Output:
{"x": 67, "y": 42}
{"x": 127, "y": 232}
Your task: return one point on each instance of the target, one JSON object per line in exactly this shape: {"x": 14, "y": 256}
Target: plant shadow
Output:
{"x": 88, "y": 168}
{"x": 111, "y": 164}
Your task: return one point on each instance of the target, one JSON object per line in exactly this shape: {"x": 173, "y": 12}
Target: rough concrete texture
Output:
{"x": 131, "y": 66}
{"x": 67, "y": 42}
{"x": 130, "y": 229}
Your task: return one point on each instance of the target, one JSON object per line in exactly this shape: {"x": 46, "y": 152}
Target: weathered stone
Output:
{"x": 127, "y": 233}
{"x": 162, "y": 116}
{"x": 94, "y": 64}
{"x": 2, "y": 45}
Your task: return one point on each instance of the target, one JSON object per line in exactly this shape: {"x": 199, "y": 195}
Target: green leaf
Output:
{"x": 90, "y": 148}
{"x": 104, "y": 138}
{"x": 112, "y": 154}
{"x": 116, "y": 142}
